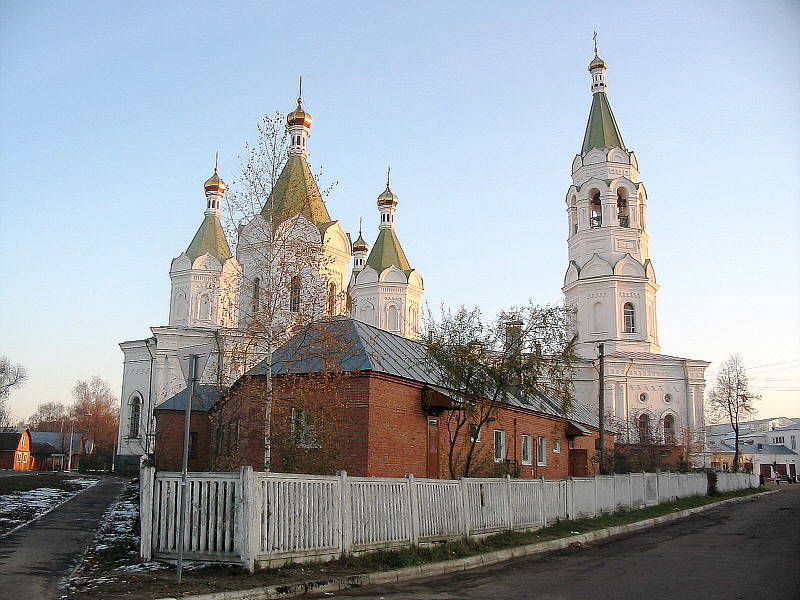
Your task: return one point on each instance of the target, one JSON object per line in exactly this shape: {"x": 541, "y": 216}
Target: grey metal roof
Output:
{"x": 58, "y": 439}
{"x": 651, "y": 356}
{"x": 44, "y": 448}
{"x": 754, "y": 448}
{"x": 9, "y": 440}
{"x": 205, "y": 396}
{"x": 345, "y": 344}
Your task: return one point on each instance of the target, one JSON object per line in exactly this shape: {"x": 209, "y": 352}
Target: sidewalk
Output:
{"x": 34, "y": 559}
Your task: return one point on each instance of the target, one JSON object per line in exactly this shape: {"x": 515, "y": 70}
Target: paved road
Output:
{"x": 34, "y": 559}
{"x": 749, "y": 550}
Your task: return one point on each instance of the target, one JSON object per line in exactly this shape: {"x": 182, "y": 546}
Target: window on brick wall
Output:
{"x": 474, "y": 433}
{"x": 556, "y": 445}
{"x": 541, "y": 452}
{"x": 192, "y": 444}
{"x": 527, "y": 449}
{"x": 499, "y": 445}
{"x": 302, "y": 428}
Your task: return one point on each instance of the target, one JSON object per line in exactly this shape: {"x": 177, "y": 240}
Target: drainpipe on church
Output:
{"x": 148, "y": 446}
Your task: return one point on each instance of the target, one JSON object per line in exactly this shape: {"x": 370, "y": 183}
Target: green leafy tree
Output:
{"x": 525, "y": 352}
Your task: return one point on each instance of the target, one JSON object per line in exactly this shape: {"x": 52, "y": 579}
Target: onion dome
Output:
{"x": 596, "y": 63}
{"x": 360, "y": 245}
{"x": 215, "y": 183}
{"x": 299, "y": 116}
{"x": 387, "y": 198}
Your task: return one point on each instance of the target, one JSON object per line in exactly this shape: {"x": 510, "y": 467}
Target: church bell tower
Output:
{"x": 610, "y": 281}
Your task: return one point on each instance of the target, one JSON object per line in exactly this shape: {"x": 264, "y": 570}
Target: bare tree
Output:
{"x": 527, "y": 353}
{"x": 12, "y": 376}
{"x": 731, "y": 400}
{"x": 285, "y": 271}
{"x": 47, "y": 414}
{"x": 96, "y": 414}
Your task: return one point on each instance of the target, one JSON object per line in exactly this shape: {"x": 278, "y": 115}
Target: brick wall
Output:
{"x": 367, "y": 424}
{"x": 169, "y": 440}
{"x": 335, "y": 408}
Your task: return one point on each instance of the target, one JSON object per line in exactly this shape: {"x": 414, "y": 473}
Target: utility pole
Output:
{"x": 185, "y": 465}
{"x": 602, "y": 409}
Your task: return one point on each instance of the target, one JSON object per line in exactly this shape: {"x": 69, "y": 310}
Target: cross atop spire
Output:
{"x": 594, "y": 38}
{"x": 300, "y": 91}
{"x": 216, "y": 161}
{"x": 388, "y": 173}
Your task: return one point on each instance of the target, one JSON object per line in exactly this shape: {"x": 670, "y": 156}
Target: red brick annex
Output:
{"x": 349, "y": 396}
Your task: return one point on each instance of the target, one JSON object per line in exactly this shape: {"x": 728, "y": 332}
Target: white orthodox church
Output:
{"x": 611, "y": 284}
{"x": 291, "y": 266}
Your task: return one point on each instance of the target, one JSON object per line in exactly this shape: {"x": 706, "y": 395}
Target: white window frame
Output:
{"x": 499, "y": 450}
{"x": 541, "y": 452}
{"x": 557, "y": 445}
{"x": 527, "y": 449}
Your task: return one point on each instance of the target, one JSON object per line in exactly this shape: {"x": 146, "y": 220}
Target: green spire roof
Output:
{"x": 210, "y": 238}
{"x": 387, "y": 252}
{"x": 295, "y": 192}
{"x": 601, "y": 130}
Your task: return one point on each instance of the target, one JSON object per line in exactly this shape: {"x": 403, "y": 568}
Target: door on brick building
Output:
{"x": 432, "y": 467}
{"x": 578, "y": 462}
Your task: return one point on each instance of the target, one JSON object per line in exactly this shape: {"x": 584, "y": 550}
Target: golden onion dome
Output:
{"x": 360, "y": 245}
{"x": 299, "y": 116}
{"x": 597, "y": 62}
{"x": 387, "y": 198}
{"x": 215, "y": 183}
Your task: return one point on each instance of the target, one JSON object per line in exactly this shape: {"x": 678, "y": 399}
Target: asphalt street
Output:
{"x": 35, "y": 559}
{"x": 748, "y": 550}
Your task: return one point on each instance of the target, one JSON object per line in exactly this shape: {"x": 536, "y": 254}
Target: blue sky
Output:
{"x": 112, "y": 113}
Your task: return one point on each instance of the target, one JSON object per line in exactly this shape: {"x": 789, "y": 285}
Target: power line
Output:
{"x": 784, "y": 362}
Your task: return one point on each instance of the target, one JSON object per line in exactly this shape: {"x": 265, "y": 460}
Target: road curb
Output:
{"x": 291, "y": 590}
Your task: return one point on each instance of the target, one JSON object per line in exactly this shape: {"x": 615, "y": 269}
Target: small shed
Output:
{"x": 15, "y": 450}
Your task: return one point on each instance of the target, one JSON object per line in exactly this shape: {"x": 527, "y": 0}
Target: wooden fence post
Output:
{"x": 630, "y": 490}
{"x": 569, "y": 497}
{"x": 249, "y": 508}
{"x": 146, "y": 484}
{"x": 464, "y": 507}
{"x": 541, "y": 502}
{"x": 509, "y": 511}
{"x": 413, "y": 510}
{"x": 345, "y": 513}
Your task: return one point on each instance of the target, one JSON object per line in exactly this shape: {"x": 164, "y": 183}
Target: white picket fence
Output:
{"x": 273, "y": 518}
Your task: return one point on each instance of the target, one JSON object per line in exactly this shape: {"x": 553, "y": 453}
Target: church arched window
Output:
{"x": 597, "y": 317}
{"x": 294, "y": 294}
{"x": 134, "y": 416}
{"x": 643, "y": 426}
{"x": 332, "y": 298}
{"x": 596, "y": 210}
{"x": 669, "y": 429}
{"x": 622, "y": 209}
{"x": 629, "y": 318}
{"x": 204, "y": 308}
{"x": 392, "y": 318}
{"x": 256, "y": 299}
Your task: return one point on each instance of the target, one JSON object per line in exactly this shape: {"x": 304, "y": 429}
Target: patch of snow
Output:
{"x": 20, "y": 508}
{"x": 142, "y": 567}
